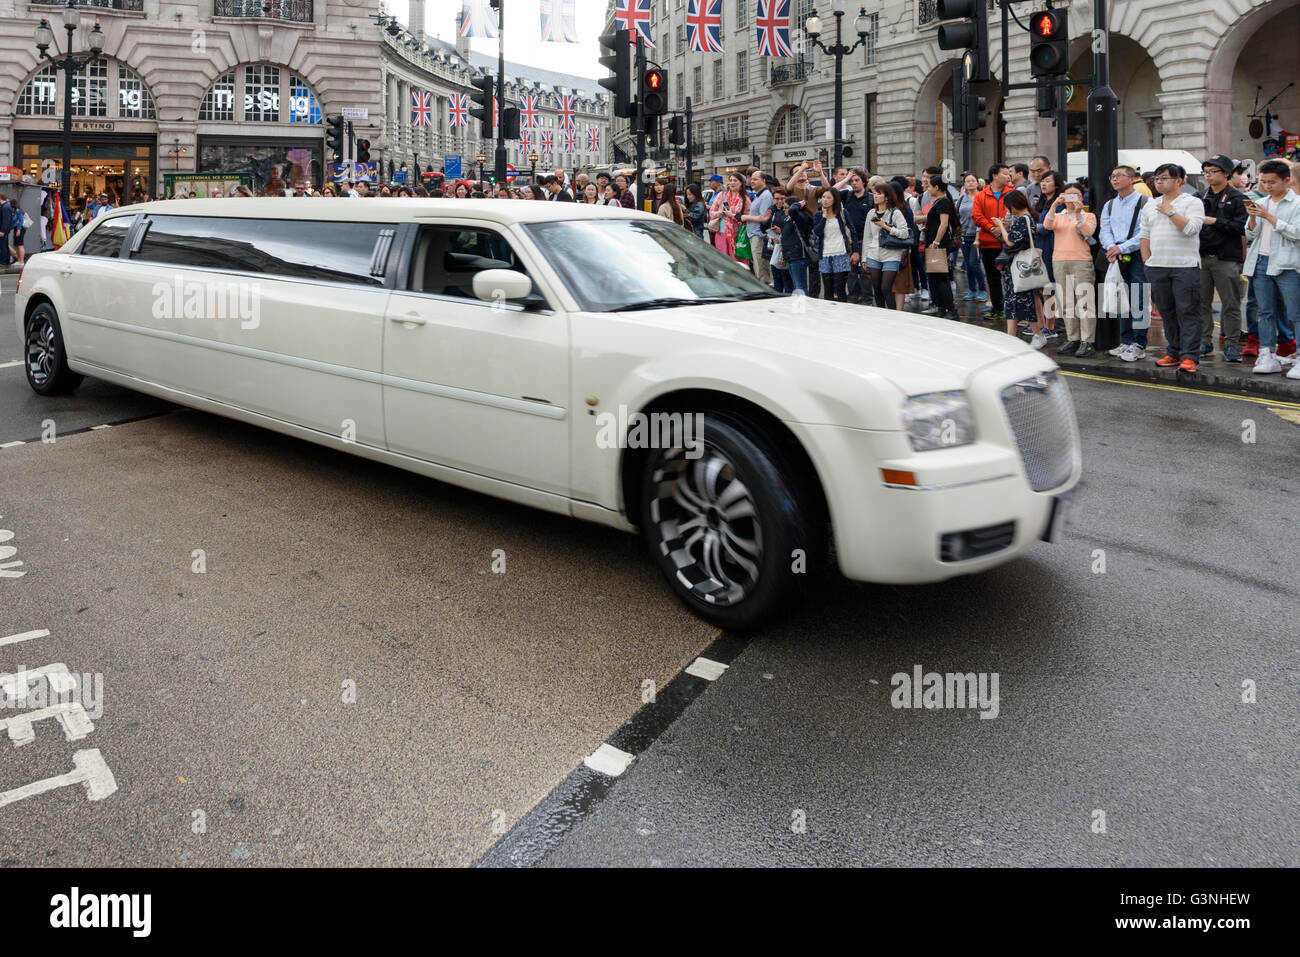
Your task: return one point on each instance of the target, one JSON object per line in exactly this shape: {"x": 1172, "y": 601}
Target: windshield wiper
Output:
{"x": 664, "y": 302}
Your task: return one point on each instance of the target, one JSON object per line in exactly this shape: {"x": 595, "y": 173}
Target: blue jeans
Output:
{"x": 1285, "y": 324}
{"x": 970, "y": 258}
{"x": 1135, "y": 280}
{"x": 1279, "y": 300}
{"x": 798, "y": 274}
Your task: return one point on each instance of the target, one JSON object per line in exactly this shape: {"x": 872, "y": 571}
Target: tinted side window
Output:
{"x": 325, "y": 251}
{"x": 106, "y": 238}
{"x": 447, "y": 257}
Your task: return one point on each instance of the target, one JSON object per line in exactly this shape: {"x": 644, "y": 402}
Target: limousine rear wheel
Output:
{"x": 47, "y": 362}
{"x": 724, "y": 523}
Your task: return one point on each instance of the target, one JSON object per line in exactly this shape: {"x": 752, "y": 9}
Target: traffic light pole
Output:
{"x": 639, "y": 122}
{"x": 1062, "y": 134}
{"x": 501, "y": 93}
{"x": 689, "y": 143}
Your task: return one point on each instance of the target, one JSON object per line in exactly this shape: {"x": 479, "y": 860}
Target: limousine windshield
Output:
{"x": 642, "y": 265}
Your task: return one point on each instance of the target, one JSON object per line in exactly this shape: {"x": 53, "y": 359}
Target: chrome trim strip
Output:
{"x": 539, "y": 407}
{"x": 940, "y": 488}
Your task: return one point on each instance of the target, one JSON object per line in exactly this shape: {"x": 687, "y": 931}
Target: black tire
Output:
{"x": 44, "y": 356}
{"x": 747, "y": 511}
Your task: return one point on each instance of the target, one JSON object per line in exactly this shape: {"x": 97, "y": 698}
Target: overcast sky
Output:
{"x": 523, "y": 29}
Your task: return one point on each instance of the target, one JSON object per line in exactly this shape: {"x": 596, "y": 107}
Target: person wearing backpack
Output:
{"x": 1119, "y": 232}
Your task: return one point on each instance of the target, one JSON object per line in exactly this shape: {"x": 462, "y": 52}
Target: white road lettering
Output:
{"x": 89, "y": 769}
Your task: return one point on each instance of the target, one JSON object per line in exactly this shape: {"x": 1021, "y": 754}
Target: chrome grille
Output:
{"x": 1042, "y": 420}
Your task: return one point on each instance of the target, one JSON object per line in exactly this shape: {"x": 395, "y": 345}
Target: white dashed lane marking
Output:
{"x": 24, "y": 636}
{"x": 10, "y": 445}
{"x": 96, "y": 428}
{"x": 609, "y": 760}
{"x": 12, "y": 362}
{"x": 705, "y": 668}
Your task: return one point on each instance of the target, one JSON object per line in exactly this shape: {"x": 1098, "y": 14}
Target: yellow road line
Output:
{"x": 1280, "y": 403}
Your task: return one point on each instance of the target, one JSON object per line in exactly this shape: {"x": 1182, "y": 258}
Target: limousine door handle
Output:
{"x": 410, "y": 318}
{"x": 66, "y": 271}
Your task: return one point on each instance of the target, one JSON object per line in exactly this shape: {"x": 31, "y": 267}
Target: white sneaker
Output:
{"x": 1133, "y": 352}
{"x": 1119, "y": 350}
{"x": 1267, "y": 362}
{"x": 925, "y": 295}
{"x": 1038, "y": 342}
{"x": 1295, "y": 371}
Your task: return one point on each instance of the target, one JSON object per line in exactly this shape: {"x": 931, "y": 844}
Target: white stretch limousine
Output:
{"x": 598, "y": 362}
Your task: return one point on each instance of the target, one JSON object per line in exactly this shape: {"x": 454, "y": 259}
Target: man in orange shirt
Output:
{"x": 987, "y": 209}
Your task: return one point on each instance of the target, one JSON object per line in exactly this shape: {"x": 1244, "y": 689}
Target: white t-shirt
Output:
{"x": 1171, "y": 247}
{"x": 1266, "y": 230}
{"x": 833, "y": 239}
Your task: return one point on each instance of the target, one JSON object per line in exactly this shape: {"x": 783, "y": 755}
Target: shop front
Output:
{"x": 297, "y": 161}
{"x": 104, "y": 160}
{"x": 735, "y": 163}
{"x": 786, "y": 158}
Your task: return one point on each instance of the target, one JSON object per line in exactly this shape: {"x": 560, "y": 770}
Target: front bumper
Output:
{"x": 979, "y": 495}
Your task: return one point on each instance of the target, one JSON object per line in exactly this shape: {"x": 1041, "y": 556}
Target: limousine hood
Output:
{"x": 915, "y": 353}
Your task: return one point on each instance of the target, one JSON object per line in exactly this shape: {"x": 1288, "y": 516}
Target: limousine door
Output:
{"x": 474, "y": 385}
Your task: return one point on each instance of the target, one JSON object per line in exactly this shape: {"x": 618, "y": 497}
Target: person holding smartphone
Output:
{"x": 1273, "y": 261}
{"x": 1071, "y": 225}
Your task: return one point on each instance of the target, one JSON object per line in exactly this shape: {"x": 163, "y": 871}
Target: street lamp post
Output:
{"x": 69, "y": 63}
{"x": 481, "y": 159}
{"x": 862, "y": 25}
{"x": 532, "y": 167}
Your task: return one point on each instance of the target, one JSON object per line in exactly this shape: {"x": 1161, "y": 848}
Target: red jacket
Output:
{"x": 984, "y": 208}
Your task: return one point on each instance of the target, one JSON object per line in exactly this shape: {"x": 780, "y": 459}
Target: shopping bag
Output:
{"x": 1112, "y": 293}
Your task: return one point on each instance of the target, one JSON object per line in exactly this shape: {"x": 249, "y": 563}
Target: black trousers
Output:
{"x": 941, "y": 291}
{"x": 1177, "y": 294}
{"x": 988, "y": 257}
{"x": 834, "y": 285}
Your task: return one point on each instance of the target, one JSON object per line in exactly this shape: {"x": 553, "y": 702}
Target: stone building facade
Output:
{"x": 242, "y": 86}
{"x": 1188, "y": 74}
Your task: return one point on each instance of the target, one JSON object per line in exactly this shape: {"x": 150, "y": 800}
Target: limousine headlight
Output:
{"x": 938, "y": 420}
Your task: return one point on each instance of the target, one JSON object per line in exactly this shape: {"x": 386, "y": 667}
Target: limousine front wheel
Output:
{"x": 47, "y": 362}
{"x": 725, "y": 522}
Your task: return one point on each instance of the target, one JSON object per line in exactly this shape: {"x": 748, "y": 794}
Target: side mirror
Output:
{"x": 501, "y": 285}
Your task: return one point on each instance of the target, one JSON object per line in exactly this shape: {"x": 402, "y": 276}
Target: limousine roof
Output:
{"x": 381, "y": 210}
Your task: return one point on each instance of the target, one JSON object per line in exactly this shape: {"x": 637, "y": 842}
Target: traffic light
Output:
{"x": 363, "y": 151}
{"x": 654, "y": 92}
{"x": 619, "y": 62}
{"x": 975, "y": 107}
{"x": 334, "y": 136}
{"x": 482, "y": 100}
{"x": 1049, "y": 43}
{"x": 958, "y": 101}
{"x": 510, "y": 123}
{"x": 1046, "y": 96}
{"x": 969, "y": 33}
{"x": 677, "y": 130}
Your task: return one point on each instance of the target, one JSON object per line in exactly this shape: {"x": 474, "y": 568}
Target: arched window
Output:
{"x": 93, "y": 93}
{"x": 260, "y": 93}
{"x": 791, "y": 126}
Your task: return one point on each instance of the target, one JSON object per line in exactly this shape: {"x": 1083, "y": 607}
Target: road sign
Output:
{"x": 355, "y": 113}
{"x": 511, "y": 172}
{"x": 451, "y": 167}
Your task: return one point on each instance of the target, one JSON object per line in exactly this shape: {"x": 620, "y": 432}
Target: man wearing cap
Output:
{"x": 103, "y": 206}
{"x": 1221, "y": 257}
{"x": 714, "y": 184}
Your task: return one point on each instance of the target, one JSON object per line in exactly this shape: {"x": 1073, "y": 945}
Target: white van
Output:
{"x": 588, "y": 360}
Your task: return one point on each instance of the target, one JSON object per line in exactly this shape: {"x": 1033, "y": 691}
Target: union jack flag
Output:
{"x": 529, "y": 115}
{"x": 571, "y": 141}
{"x": 458, "y": 109}
{"x": 704, "y": 25}
{"x": 548, "y": 141}
{"x": 773, "y": 25}
{"x": 566, "y": 110}
{"x": 421, "y": 108}
{"x": 634, "y": 15}
{"x": 476, "y": 20}
{"x": 525, "y": 139}
{"x": 559, "y": 21}
{"x": 593, "y": 139}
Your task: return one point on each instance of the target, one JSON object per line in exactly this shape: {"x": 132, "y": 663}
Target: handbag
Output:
{"x": 715, "y": 224}
{"x": 889, "y": 241}
{"x": 936, "y": 259}
{"x": 1028, "y": 271}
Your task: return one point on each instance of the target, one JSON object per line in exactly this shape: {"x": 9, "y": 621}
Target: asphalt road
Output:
{"x": 234, "y": 736}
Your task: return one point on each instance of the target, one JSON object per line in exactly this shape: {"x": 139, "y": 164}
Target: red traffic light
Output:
{"x": 1045, "y": 25}
{"x": 654, "y": 80}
